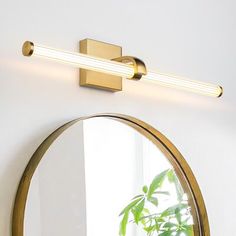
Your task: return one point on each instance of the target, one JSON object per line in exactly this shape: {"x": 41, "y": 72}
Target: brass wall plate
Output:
{"x": 99, "y": 80}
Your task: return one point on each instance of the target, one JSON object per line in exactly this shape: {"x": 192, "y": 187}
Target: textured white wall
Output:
{"x": 191, "y": 38}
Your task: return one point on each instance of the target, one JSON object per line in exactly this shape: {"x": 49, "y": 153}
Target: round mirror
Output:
{"x": 108, "y": 175}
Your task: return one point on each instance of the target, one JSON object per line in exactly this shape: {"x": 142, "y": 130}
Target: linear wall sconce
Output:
{"x": 103, "y": 66}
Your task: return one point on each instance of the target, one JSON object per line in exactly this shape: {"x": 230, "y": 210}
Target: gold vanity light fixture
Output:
{"x": 103, "y": 66}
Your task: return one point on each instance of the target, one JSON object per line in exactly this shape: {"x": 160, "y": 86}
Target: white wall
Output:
{"x": 191, "y": 38}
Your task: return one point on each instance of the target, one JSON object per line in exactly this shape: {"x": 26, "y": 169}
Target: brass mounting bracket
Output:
{"x": 139, "y": 66}
{"x": 104, "y": 81}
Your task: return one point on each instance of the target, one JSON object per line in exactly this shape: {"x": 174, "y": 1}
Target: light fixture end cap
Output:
{"x": 28, "y": 48}
{"x": 221, "y": 91}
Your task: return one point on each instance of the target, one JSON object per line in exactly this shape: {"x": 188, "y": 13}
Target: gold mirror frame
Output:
{"x": 181, "y": 167}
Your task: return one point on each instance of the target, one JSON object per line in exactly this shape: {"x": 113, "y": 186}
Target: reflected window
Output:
{"x": 139, "y": 192}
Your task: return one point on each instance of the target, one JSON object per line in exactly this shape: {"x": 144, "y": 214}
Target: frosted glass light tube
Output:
{"x": 173, "y": 81}
{"x": 119, "y": 69}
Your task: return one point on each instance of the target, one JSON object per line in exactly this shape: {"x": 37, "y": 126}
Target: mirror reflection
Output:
{"x": 102, "y": 177}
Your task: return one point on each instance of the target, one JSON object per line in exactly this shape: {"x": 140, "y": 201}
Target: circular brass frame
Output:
{"x": 182, "y": 169}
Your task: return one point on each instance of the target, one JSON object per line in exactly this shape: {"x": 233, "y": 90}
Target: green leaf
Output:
{"x": 143, "y": 221}
{"x": 166, "y": 233}
{"x": 149, "y": 228}
{"x": 178, "y": 215}
{"x": 162, "y": 192}
{"x": 169, "y": 225}
{"x": 137, "y": 196}
{"x": 133, "y": 203}
{"x": 179, "y": 233}
{"x": 188, "y": 230}
{"x": 156, "y": 183}
{"x": 145, "y": 188}
{"x": 137, "y": 210}
{"x": 145, "y": 210}
{"x": 153, "y": 200}
{"x": 172, "y": 210}
{"x": 179, "y": 191}
{"x": 160, "y": 219}
{"x": 174, "y": 179}
{"x": 123, "y": 224}
{"x": 171, "y": 176}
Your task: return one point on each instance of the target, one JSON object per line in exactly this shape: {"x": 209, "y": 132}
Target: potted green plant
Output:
{"x": 144, "y": 211}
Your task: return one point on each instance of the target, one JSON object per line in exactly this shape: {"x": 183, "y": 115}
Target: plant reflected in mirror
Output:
{"x": 146, "y": 209}
{"x": 109, "y": 177}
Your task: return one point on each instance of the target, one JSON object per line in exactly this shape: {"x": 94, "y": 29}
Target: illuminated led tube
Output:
{"x": 119, "y": 69}
{"x": 79, "y": 60}
{"x": 173, "y": 81}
